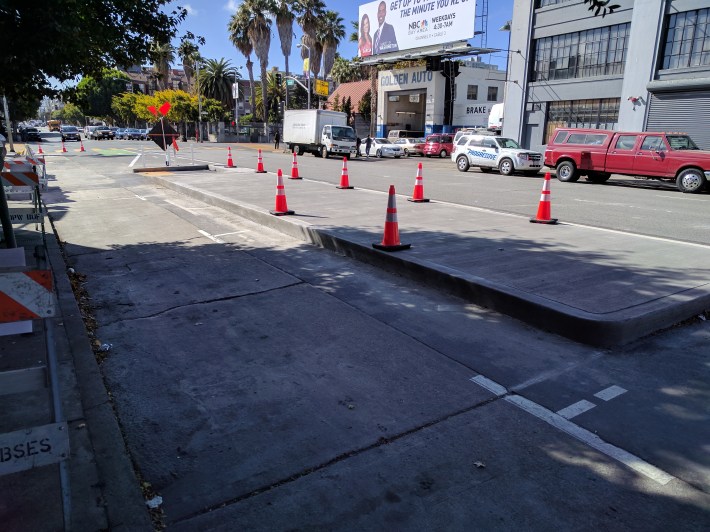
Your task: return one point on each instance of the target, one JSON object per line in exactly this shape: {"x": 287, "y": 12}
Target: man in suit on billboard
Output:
{"x": 385, "y": 39}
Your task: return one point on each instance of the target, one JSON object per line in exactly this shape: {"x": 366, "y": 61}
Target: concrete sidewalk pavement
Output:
{"x": 595, "y": 286}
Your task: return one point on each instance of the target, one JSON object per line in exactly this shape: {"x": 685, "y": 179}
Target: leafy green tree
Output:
{"x": 275, "y": 95}
{"x": 344, "y": 71}
{"x": 71, "y": 114}
{"x": 336, "y": 102}
{"x": 76, "y": 39}
{"x": 94, "y": 95}
{"x": 123, "y": 106}
{"x": 330, "y": 32}
{"x": 365, "y": 105}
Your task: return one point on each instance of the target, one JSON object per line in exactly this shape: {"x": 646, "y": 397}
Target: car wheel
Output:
{"x": 443, "y": 153}
{"x": 378, "y": 154}
{"x": 462, "y": 163}
{"x": 691, "y": 181}
{"x": 506, "y": 167}
{"x": 567, "y": 172}
{"x": 406, "y": 152}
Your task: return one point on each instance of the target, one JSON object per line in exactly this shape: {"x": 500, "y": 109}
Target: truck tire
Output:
{"x": 691, "y": 181}
{"x": 506, "y": 166}
{"x": 567, "y": 172}
{"x": 324, "y": 152}
{"x": 598, "y": 177}
{"x": 462, "y": 163}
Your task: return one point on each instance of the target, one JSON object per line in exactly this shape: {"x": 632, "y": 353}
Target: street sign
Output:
{"x": 321, "y": 87}
{"x": 29, "y": 448}
{"x": 163, "y": 134}
{"x": 235, "y": 91}
{"x": 290, "y": 82}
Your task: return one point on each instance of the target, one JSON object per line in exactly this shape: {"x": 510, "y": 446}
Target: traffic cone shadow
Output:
{"x": 294, "y": 168}
{"x": 280, "y": 208}
{"x": 418, "y": 194}
{"x": 543, "y": 209}
{"x": 390, "y": 239}
{"x": 344, "y": 181}
{"x": 260, "y": 164}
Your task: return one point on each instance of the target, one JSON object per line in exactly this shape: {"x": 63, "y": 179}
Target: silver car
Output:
{"x": 380, "y": 147}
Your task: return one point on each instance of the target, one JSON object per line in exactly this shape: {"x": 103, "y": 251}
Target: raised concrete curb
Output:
{"x": 171, "y": 168}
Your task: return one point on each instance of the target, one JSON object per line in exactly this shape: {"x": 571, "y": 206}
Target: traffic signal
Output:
{"x": 279, "y": 79}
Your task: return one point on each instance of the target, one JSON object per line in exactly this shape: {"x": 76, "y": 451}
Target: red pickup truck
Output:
{"x": 598, "y": 153}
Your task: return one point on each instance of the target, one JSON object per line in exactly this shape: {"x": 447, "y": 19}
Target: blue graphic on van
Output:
{"x": 483, "y": 155}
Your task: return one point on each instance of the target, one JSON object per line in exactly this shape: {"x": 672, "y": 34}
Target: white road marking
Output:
{"x": 610, "y": 393}
{"x": 489, "y": 385}
{"x": 134, "y": 161}
{"x": 141, "y": 197}
{"x": 583, "y": 435}
{"x": 577, "y": 408}
{"x": 629, "y": 460}
{"x": 214, "y": 239}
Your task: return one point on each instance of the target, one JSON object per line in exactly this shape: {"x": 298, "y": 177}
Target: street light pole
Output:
{"x": 506, "y": 27}
{"x": 198, "y": 63}
{"x": 308, "y": 72}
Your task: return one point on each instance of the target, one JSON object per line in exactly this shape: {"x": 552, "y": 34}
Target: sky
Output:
{"x": 209, "y": 18}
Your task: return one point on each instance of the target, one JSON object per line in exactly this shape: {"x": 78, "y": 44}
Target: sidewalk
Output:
{"x": 595, "y": 286}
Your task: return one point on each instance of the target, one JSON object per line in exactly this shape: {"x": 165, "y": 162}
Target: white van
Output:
{"x": 495, "y": 119}
{"x": 404, "y": 134}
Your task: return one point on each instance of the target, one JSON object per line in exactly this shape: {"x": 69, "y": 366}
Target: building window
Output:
{"x": 597, "y": 114}
{"x": 544, "y": 3}
{"x": 597, "y": 52}
{"x": 492, "y": 94}
{"x": 472, "y": 92}
{"x": 687, "y": 39}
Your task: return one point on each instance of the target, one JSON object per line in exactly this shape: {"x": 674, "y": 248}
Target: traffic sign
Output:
{"x": 290, "y": 82}
{"x": 321, "y": 87}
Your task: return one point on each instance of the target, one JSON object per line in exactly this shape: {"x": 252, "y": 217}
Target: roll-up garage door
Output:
{"x": 688, "y": 112}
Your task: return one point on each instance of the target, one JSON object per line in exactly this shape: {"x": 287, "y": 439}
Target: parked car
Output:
{"x": 144, "y": 134}
{"x": 472, "y": 131}
{"x": 490, "y": 152}
{"x": 439, "y": 145}
{"x": 119, "y": 133}
{"x": 598, "y": 153}
{"x": 88, "y": 131}
{"x": 70, "y": 133}
{"x": 133, "y": 134}
{"x": 103, "y": 133}
{"x": 410, "y": 146}
{"x": 30, "y": 134}
{"x": 381, "y": 148}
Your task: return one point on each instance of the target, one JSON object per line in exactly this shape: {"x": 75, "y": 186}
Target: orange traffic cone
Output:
{"x": 390, "y": 240}
{"x": 294, "y": 168}
{"x": 344, "y": 183}
{"x": 260, "y": 164}
{"x": 280, "y": 209}
{"x": 418, "y": 194}
{"x": 40, "y": 149}
{"x": 64, "y": 149}
{"x": 82, "y": 145}
{"x": 543, "y": 209}
{"x": 230, "y": 162}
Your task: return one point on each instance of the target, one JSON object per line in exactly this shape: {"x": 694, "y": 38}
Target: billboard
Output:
{"x": 394, "y": 25}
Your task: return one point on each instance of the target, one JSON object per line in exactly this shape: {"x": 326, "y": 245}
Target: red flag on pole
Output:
{"x": 175, "y": 146}
{"x": 153, "y": 110}
{"x": 164, "y": 108}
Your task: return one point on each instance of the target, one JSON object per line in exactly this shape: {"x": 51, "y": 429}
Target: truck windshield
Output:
{"x": 508, "y": 143}
{"x": 681, "y": 142}
{"x": 343, "y": 133}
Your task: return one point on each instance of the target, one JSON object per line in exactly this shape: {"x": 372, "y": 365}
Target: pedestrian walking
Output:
{"x": 368, "y": 145}
{"x": 277, "y": 139}
{"x": 358, "y": 142}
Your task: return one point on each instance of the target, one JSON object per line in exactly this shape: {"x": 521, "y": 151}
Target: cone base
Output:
{"x": 261, "y": 171}
{"x": 282, "y": 213}
{"x": 397, "y": 247}
{"x": 341, "y": 186}
{"x": 551, "y": 221}
{"x": 295, "y": 177}
{"x": 423, "y": 200}
{"x": 230, "y": 165}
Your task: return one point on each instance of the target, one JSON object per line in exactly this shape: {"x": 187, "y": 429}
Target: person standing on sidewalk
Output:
{"x": 368, "y": 145}
{"x": 358, "y": 142}
{"x": 277, "y": 139}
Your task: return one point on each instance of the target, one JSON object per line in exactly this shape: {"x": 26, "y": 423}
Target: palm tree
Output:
{"x": 309, "y": 13}
{"x": 274, "y": 95}
{"x": 188, "y": 54}
{"x": 283, "y": 10}
{"x": 237, "y": 28}
{"x": 259, "y": 31}
{"x": 330, "y": 33}
{"x": 216, "y": 79}
{"x": 163, "y": 55}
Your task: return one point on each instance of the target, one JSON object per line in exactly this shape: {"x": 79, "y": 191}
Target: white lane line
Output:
{"x": 489, "y": 385}
{"x": 214, "y": 239}
{"x": 577, "y": 408}
{"x": 610, "y": 392}
{"x": 134, "y": 161}
{"x": 626, "y": 458}
{"x": 141, "y": 197}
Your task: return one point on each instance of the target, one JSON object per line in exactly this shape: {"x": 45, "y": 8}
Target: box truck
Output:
{"x": 495, "y": 119}
{"x": 320, "y": 132}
